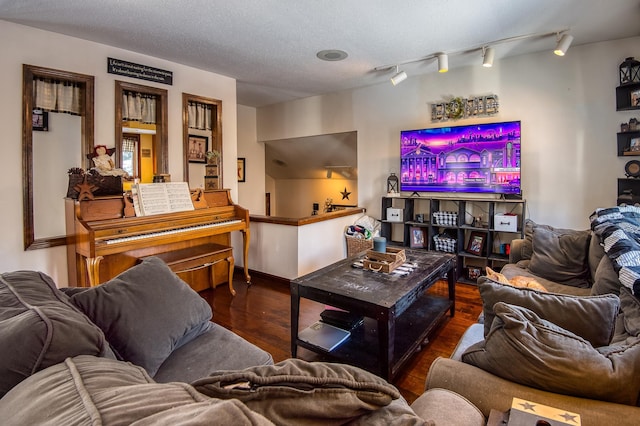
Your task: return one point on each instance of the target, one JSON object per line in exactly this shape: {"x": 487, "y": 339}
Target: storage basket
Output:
{"x": 445, "y": 243}
{"x": 356, "y": 245}
{"x": 445, "y": 218}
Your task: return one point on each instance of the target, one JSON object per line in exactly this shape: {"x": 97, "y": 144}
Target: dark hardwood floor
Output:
{"x": 261, "y": 314}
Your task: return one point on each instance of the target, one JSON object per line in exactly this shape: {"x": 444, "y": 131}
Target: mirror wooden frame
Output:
{"x": 160, "y": 142}
{"x": 216, "y": 132}
{"x": 87, "y": 140}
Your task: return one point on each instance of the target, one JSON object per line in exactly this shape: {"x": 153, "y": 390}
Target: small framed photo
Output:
{"x": 634, "y": 145}
{"x": 476, "y": 242}
{"x": 635, "y": 98}
{"x": 473, "y": 272}
{"x": 418, "y": 239}
{"x": 40, "y": 120}
{"x": 241, "y": 171}
{"x": 198, "y": 147}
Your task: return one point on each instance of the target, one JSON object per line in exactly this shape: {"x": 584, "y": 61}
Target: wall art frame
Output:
{"x": 241, "y": 170}
{"x": 197, "y": 149}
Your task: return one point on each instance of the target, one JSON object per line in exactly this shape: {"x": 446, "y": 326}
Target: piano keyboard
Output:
{"x": 171, "y": 231}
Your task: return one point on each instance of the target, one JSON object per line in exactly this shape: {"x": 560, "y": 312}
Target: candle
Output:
{"x": 380, "y": 244}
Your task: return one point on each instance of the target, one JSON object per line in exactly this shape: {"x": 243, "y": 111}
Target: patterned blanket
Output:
{"x": 619, "y": 229}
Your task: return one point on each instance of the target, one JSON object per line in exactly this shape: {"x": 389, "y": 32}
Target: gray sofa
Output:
{"x": 141, "y": 349}
{"x": 575, "y": 348}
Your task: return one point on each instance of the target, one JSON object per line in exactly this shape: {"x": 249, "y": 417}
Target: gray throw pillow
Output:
{"x": 628, "y": 321}
{"x": 146, "y": 312}
{"x": 605, "y": 280}
{"x": 523, "y": 348}
{"x": 591, "y": 317}
{"x": 561, "y": 256}
{"x": 39, "y": 327}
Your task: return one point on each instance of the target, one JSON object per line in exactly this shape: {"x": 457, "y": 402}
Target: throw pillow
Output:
{"x": 605, "y": 280}
{"x": 39, "y": 327}
{"x": 89, "y": 390}
{"x": 628, "y": 321}
{"x": 591, "y": 317}
{"x": 526, "y": 349}
{"x": 310, "y": 393}
{"x": 561, "y": 256}
{"x": 145, "y": 312}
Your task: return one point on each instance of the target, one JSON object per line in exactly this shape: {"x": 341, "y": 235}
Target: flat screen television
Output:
{"x": 475, "y": 158}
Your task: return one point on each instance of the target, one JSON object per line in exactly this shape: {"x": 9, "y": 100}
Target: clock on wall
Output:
{"x": 632, "y": 169}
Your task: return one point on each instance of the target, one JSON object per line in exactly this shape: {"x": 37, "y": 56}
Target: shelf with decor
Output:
{"x": 628, "y": 143}
{"x": 479, "y": 231}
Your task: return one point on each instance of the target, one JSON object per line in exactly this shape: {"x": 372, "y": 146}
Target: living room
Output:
{"x": 566, "y": 106}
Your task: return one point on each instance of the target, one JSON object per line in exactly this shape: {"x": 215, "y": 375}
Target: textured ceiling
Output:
{"x": 270, "y": 46}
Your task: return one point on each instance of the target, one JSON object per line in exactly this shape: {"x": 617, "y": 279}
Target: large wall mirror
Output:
{"x": 141, "y": 130}
{"x": 201, "y": 133}
{"x": 57, "y": 134}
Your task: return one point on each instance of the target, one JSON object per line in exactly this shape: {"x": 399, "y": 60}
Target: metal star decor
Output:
{"x": 345, "y": 194}
{"x": 528, "y": 406}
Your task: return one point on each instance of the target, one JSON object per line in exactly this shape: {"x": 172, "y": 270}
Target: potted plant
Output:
{"x": 213, "y": 156}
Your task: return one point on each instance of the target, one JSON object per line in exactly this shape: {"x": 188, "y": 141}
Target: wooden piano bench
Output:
{"x": 189, "y": 260}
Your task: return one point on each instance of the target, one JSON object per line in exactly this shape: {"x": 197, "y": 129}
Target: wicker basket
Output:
{"x": 357, "y": 245}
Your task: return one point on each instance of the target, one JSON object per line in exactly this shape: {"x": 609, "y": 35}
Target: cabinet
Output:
{"x": 628, "y": 191}
{"x": 454, "y": 225}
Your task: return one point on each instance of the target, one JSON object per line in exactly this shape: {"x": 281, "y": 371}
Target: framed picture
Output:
{"x": 40, "y": 120}
{"x": 418, "y": 239}
{"x": 241, "y": 172}
{"x": 476, "y": 242}
{"x": 634, "y": 145}
{"x": 635, "y": 98}
{"x": 198, "y": 147}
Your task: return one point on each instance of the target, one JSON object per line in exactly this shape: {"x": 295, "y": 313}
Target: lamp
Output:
{"x": 563, "y": 44}
{"x": 487, "y": 57}
{"x": 398, "y": 77}
{"x": 443, "y": 62}
{"x": 392, "y": 184}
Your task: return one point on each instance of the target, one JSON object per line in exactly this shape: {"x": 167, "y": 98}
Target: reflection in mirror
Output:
{"x": 201, "y": 122}
{"x": 64, "y": 102}
{"x": 141, "y": 130}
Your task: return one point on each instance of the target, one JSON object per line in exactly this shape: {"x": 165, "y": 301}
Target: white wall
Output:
{"x": 251, "y": 192}
{"x": 566, "y": 105}
{"x": 295, "y": 197}
{"x": 25, "y": 45}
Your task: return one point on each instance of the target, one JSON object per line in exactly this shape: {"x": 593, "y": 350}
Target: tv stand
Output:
{"x": 472, "y": 217}
{"x": 415, "y": 194}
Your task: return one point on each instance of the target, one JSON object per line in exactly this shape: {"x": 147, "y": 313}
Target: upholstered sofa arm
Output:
{"x": 488, "y": 392}
{"x": 515, "y": 255}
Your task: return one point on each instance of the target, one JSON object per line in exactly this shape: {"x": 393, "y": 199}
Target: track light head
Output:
{"x": 563, "y": 44}
{"x": 398, "y": 77}
{"x": 487, "y": 57}
{"x": 443, "y": 62}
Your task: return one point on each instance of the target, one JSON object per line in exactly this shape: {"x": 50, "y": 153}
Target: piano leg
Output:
{"x": 230, "y": 261}
{"x": 245, "y": 247}
{"x": 93, "y": 269}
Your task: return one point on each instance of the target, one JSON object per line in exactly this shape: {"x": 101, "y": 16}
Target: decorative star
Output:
{"x": 569, "y": 417}
{"x": 528, "y": 406}
{"x": 345, "y": 194}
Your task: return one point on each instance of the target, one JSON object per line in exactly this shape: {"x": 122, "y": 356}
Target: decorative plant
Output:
{"x": 212, "y": 154}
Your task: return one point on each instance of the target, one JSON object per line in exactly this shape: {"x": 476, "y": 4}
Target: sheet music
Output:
{"x": 159, "y": 198}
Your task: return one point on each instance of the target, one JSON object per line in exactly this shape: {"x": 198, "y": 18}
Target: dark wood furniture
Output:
{"x": 399, "y": 314}
{"x": 103, "y": 243}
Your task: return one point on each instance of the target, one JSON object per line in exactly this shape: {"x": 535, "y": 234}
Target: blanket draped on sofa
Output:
{"x": 619, "y": 230}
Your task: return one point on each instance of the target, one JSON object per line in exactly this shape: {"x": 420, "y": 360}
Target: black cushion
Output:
{"x": 146, "y": 312}
{"x": 39, "y": 327}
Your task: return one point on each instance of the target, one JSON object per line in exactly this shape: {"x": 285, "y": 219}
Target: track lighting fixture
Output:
{"x": 443, "y": 62}
{"x": 398, "y": 77}
{"x": 563, "y": 44}
{"x": 487, "y": 57}
{"x": 563, "y": 40}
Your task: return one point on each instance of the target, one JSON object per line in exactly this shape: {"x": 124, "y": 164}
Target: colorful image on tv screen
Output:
{"x": 479, "y": 158}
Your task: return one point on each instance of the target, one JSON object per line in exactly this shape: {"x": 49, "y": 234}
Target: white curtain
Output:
{"x": 199, "y": 116}
{"x": 57, "y": 96}
{"x": 138, "y": 107}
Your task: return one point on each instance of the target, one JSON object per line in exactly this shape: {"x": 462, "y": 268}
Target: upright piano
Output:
{"x": 102, "y": 242}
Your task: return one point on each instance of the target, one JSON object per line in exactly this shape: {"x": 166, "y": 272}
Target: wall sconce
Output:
{"x": 443, "y": 62}
{"x": 398, "y": 77}
{"x": 563, "y": 44}
{"x": 487, "y": 57}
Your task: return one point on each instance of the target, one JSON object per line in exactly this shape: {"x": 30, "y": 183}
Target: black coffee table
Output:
{"x": 399, "y": 314}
